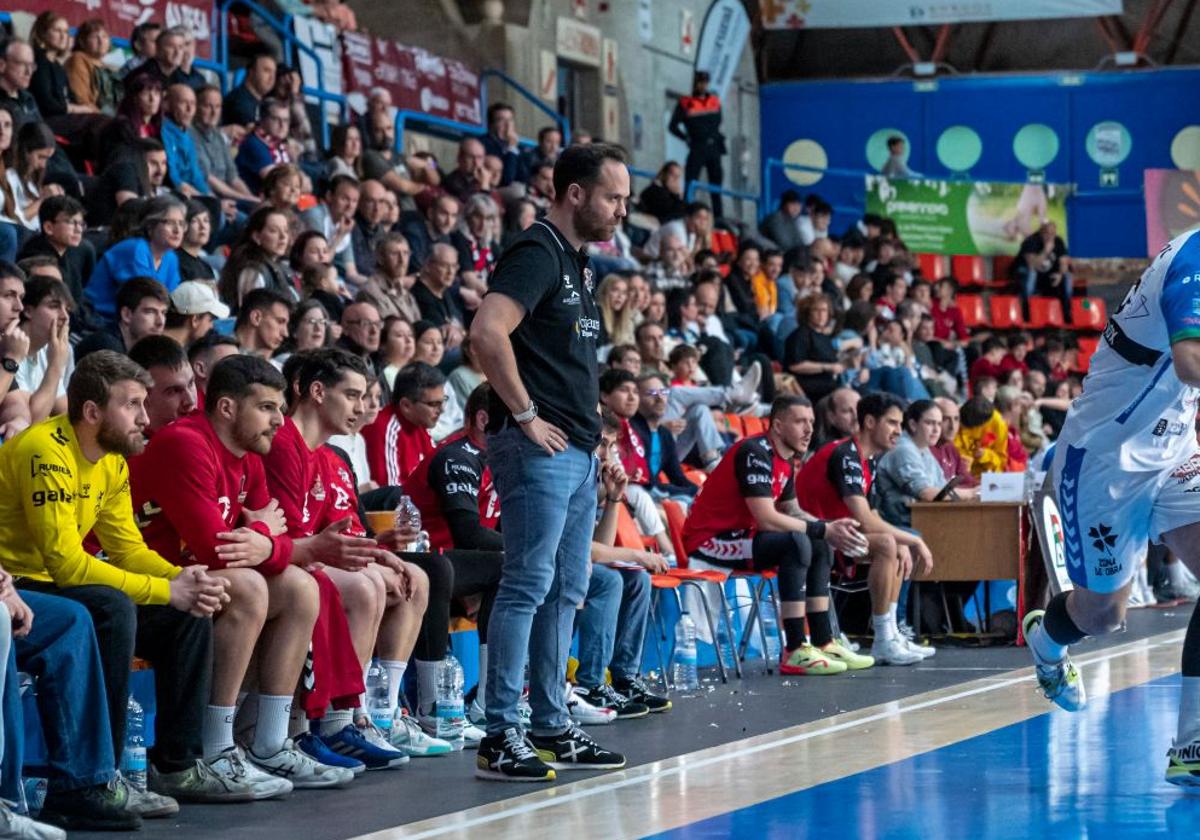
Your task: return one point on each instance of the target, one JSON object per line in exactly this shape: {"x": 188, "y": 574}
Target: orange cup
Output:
{"x": 381, "y": 520}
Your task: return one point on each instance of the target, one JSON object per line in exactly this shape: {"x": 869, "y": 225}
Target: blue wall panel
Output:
{"x": 1152, "y": 105}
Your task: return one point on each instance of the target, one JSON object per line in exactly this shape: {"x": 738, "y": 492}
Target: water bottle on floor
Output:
{"x": 725, "y": 644}
{"x": 377, "y": 698}
{"x": 133, "y": 757}
{"x": 685, "y": 675}
{"x": 450, "y": 713}
{"x": 770, "y": 626}
{"x": 408, "y": 516}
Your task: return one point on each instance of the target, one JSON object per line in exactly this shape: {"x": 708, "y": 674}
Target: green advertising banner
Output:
{"x": 966, "y": 217}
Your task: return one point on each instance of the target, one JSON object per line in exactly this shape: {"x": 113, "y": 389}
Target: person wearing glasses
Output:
{"x": 399, "y": 439}
{"x": 267, "y": 146}
{"x": 61, "y": 220}
{"x": 362, "y": 329}
{"x": 150, "y": 255}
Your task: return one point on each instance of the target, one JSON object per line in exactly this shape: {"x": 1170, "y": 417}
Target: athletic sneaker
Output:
{"x": 924, "y": 651}
{"x": 472, "y": 735}
{"x": 893, "y": 651}
{"x": 298, "y": 767}
{"x": 312, "y": 746}
{"x": 509, "y": 757}
{"x": 1060, "y": 681}
{"x": 233, "y": 764}
{"x": 146, "y": 803}
{"x": 201, "y": 782}
{"x": 806, "y": 660}
{"x": 366, "y": 745}
{"x": 607, "y": 697}
{"x": 584, "y": 712}
{"x": 574, "y": 749}
{"x": 1183, "y": 765}
{"x": 637, "y": 690}
{"x": 743, "y": 397}
{"x": 95, "y": 808}
{"x": 477, "y": 715}
{"x": 410, "y": 738}
{"x": 838, "y": 652}
{"x": 13, "y": 826}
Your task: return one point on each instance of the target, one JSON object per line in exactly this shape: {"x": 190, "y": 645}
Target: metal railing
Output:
{"x": 564, "y": 124}
{"x": 738, "y": 195}
{"x": 438, "y": 126}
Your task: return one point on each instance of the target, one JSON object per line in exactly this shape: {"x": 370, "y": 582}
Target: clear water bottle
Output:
{"x": 408, "y": 517}
{"x": 770, "y": 626}
{"x": 725, "y": 644}
{"x": 451, "y": 717}
{"x": 133, "y": 757}
{"x": 378, "y": 706}
{"x": 685, "y": 675}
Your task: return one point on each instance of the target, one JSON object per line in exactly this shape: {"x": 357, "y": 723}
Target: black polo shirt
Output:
{"x": 555, "y": 343}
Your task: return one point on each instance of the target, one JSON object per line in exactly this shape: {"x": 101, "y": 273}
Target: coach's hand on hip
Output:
{"x": 546, "y": 435}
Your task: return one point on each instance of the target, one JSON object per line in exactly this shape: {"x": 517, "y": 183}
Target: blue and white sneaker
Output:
{"x": 367, "y": 745}
{"x": 311, "y": 745}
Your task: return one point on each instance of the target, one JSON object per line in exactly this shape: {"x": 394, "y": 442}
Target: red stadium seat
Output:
{"x": 1088, "y": 313}
{"x": 1087, "y": 348}
{"x": 1045, "y": 312}
{"x": 933, "y": 266}
{"x": 968, "y": 270}
{"x": 1006, "y": 312}
{"x": 974, "y": 314}
{"x": 1001, "y": 266}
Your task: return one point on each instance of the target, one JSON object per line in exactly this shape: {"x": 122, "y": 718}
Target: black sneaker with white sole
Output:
{"x": 508, "y": 757}
{"x": 605, "y": 696}
{"x": 574, "y": 750}
{"x": 635, "y": 689}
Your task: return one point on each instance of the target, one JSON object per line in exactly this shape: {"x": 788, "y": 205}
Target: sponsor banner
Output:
{"x": 1172, "y": 205}
{"x": 966, "y": 217}
{"x": 855, "y": 14}
{"x": 723, "y": 36}
{"x": 121, "y": 16}
{"x": 417, "y": 79}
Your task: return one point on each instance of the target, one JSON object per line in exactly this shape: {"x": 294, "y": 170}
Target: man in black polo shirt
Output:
{"x": 535, "y": 336}
{"x": 61, "y": 220}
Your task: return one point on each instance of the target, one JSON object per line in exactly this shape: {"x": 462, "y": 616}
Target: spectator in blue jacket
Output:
{"x": 503, "y": 141}
{"x": 150, "y": 255}
{"x": 267, "y": 146}
{"x": 183, "y": 161}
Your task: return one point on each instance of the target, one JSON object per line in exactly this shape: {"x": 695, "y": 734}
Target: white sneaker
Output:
{"x": 376, "y": 738}
{"x": 13, "y": 826}
{"x": 584, "y": 713}
{"x": 924, "y": 651}
{"x": 472, "y": 735}
{"x": 410, "y": 738}
{"x": 893, "y": 651}
{"x": 232, "y": 764}
{"x": 476, "y": 713}
{"x": 745, "y": 394}
{"x": 300, "y": 769}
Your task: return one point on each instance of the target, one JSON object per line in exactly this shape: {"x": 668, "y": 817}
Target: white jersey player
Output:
{"x": 1126, "y": 472}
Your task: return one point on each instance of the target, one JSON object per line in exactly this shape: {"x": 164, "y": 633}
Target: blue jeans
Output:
{"x": 548, "y": 510}
{"x": 901, "y": 381}
{"x": 61, "y": 653}
{"x": 9, "y": 241}
{"x": 1027, "y": 282}
{"x": 612, "y": 624}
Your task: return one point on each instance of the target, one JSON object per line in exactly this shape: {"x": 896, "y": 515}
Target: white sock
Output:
{"x": 1044, "y": 648}
{"x": 362, "y": 698}
{"x": 217, "y": 731}
{"x": 896, "y": 615}
{"x": 427, "y": 673}
{"x": 297, "y": 721}
{"x": 884, "y": 625}
{"x": 1189, "y": 712}
{"x": 274, "y": 712}
{"x": 395, "y": 671}
{"x": 1177, "y": 574}
{"x": 481, "y": 689}
{"x": 336, "y": 720}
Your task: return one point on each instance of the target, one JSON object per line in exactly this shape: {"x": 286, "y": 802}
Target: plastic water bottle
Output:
{"x": 685, "y": 675}
{"x": 408, "y": 517}
{"x": 378, "y": 706}
{"x": 725, "y": 644}
{"x": 770, "y": 626}
{"x": 133, "y": 758}
{"x": 450, "y": 713}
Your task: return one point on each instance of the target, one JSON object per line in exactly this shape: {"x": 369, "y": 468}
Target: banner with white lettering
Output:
{"x": 854, "y": 14}
{"x": 121, "y": 16}
{"x": 722, "y": 38}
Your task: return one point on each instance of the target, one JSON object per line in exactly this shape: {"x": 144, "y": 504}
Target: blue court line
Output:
{"x": 1096, "y": 774}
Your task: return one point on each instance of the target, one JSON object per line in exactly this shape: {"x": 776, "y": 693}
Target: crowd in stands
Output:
{"x": 289, "y": 328}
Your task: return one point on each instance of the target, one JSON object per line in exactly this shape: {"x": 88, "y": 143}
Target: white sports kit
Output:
{"x": 1127, "y": 466}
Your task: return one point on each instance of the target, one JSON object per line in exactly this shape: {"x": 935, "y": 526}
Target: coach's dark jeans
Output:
{"x": 178, "y": 645}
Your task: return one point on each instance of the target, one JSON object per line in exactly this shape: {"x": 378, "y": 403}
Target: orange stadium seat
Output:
{"x": 1006, "y": 312}
{"x": 1088, "y": 313}
{"x": 1045, "y": 312}
{"x": 974, "y": 314}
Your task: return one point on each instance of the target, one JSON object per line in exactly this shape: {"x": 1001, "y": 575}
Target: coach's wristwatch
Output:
{"x": 9, "y": 365}
{"x": 528, "y": 414}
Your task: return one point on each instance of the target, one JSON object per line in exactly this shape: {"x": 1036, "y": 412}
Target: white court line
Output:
{"x": 684, "y": 763}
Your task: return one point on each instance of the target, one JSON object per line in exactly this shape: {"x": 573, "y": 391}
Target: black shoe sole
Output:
{"x": 74, "y": 822}
{"x": 497, "y": 776}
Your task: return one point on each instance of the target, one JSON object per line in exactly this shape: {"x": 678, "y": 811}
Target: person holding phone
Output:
{"x": 910, "y": 472}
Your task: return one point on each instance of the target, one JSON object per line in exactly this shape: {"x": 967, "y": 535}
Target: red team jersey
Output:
{"x": 750, "y": 469}
{"x": 188, "y": 487}
{"x": 395, "y": 447}
{"x": 312, "y": 495}
{"x": 836, "y": 472}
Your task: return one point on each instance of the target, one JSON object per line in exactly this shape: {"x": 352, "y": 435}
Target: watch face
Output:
{"x": 9, "y": 365}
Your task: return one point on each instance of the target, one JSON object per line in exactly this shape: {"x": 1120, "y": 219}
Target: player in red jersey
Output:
{"x": 399, "y": 439}
{"x": 384, "y": 597}
{"x": 200, "y": 495}
{"x": 746, "y": 517}
{"x": 836, "y": 481}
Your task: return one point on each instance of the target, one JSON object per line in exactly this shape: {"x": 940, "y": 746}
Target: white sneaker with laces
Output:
{"x": 894, "y": 651}
{"x": 232, "y": 763}
{"x": 410, "y": 738}
{"x": 375, "y": 737}
{"x": 476, "y": 713}
{"x": 300, "y": 769}
{"x": 584, "y": 713}
{"x": 745, "y": 393}
{"x": 13, "y": 826}
{"x": 472, "y": 735}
